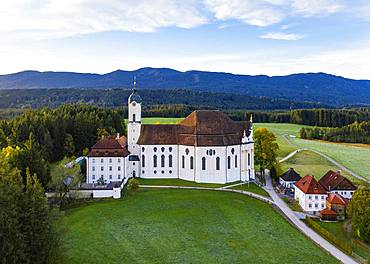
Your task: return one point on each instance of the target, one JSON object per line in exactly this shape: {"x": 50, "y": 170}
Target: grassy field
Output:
{"x": 252, "y": 187}
{"x": 356, "y": 158}
{"x": 179, "y": 182}
{"x": 306, "y": 162}
{"x": 281, "y": 131}
{"x": 339, "y": 230}
{"x": 183, "y": 226}
{"x": 161, "y": 120}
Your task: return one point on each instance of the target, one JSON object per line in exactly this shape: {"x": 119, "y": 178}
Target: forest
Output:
{"x": 353, "y": 133}
{"x": 37, "y": 98}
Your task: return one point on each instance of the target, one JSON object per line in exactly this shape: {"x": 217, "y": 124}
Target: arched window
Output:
{"x": 170, "y": 161}
{"x": 228, "y": 162}
{"x": 191, "y": 163}
{"x": 217, "y": 163}
{"x": 249, "y": 159}
{"x": 143, "y": 161}
{"x": 236, "y": 161}
{"x": 187, "y": 151}
{"x": 134, "y": 118}
{"x": 162, "y": 161}
{"x": 183, "y": 162}
{"x": 155, "y": 161}
{"x": 203, "y": 163}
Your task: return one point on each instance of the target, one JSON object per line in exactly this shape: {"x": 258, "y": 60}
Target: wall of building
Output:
{"x": 166, "y": 171}
{"x": 186, "y": 168}
{"x": 344, "y": 193}
{"x": 211, "y": 174}
{"x": 308, "y": 202}
{"x": 111, "y": 169}
{"x": 233, "y": 172}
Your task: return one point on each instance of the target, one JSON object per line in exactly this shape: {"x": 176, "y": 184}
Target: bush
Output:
{"x": 347, "y": 248}
{"x": 133, "y": 184}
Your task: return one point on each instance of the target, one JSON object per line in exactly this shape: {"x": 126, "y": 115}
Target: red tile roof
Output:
{"x": 335, "y": 181}
{"x": 200, "y": 128}
{"x": 110, "y": 147}
{"x": 327, "y": 211}
{"x": 309, "y": 185}
{"x": 334, "y": 198}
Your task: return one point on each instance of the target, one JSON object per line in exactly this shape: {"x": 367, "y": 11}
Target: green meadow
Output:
{"x": 182, "y": 226}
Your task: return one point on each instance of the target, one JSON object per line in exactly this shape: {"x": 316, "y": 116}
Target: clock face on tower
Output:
{"x": 133, "y": 104}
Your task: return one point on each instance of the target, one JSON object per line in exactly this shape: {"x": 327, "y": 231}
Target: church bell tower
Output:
{"x": 134, "y": 121}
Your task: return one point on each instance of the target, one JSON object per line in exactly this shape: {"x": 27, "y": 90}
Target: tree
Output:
{"x": 359, "y": 210}
{"x": 25, "y": 233}
{"x": 102, "y": 132}
{"x": 3, "y": 139}
{"x": 265, "y": 149}
{"x": 69, "y": 145}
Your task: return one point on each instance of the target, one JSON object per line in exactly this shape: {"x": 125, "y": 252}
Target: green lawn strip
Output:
{"x": 251, "y": 187}
{"x": 338, "y": 230}
{"x": 161, "y": 120}
{"x": 179, "y": 182}
{"x": 184, "y": 226}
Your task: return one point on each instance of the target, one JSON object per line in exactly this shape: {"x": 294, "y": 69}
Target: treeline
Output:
{"x": 353, "y": 133}
{"x": 311, "y": 117}
{"x": 47, "y": 135}
{"x": 37, "y": 98}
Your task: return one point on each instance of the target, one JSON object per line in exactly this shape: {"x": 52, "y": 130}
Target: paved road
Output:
{"x": 324, "y": 156}
{"x": 303, "y": 227}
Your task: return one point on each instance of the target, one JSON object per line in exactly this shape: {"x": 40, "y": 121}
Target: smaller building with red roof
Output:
{"x": 310, "y": 194}
{"x": 338, "y": 204}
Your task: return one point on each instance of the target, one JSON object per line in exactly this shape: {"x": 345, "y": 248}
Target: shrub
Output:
{"x": 133, "y": 184}
{"x": 347, "y": 248}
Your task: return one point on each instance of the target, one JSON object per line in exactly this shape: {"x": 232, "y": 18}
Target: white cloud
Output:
{"x": 70, "y": 17}
{"x": 282, "y": 36}
{"x": 308, "y": 8}
{"x": 256, "y": 13}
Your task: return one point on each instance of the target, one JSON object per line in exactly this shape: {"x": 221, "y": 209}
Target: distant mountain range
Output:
{"x": 307, "y": 87}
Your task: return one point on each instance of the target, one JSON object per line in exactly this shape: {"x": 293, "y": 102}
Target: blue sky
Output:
{"x": 272, "y": 37}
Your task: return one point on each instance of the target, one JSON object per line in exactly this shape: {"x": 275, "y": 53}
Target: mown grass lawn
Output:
{"x": 183, "y": 226}
{"x": 180, "y": 182}
{"x": 251, "y": 187}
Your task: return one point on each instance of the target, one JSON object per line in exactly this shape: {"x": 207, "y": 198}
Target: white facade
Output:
{"x": 110, "y": 169}
{"x": 203, "y": 164}
{"x": 344, "y": 193}
{"x": 312, "y": 203}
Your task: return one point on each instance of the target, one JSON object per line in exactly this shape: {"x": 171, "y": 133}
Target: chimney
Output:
{"x": 117, "y": 135}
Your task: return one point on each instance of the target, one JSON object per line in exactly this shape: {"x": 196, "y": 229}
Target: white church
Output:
{"x": 206, "y": 147}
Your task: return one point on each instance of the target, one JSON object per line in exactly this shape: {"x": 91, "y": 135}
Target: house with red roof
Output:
{"x": 310, "y": 194}
{"x": 338, "y": 204}
{"x": 335, "y": 183}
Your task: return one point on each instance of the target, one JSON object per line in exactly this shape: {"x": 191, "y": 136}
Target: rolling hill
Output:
{"x": 309, "y": 87}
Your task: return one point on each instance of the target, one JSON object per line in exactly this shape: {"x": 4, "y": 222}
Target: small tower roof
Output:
{"x": 134, "y": 97}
